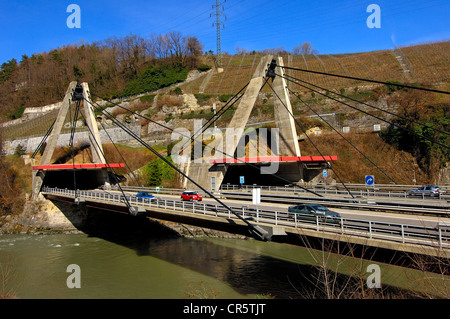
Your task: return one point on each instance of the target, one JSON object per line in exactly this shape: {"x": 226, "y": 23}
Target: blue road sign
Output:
{"x": 241, "y": 179}
{"x": 370, "y": 180}
{"x": 325, "y": 173}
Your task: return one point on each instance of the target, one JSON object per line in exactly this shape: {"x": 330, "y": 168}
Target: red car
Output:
{"x": 191, "y": 195}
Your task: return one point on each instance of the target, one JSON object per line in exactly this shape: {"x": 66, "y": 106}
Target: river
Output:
{"x": 170, "y": 268}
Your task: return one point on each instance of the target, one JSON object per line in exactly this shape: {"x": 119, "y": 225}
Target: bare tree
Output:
{"x": 304, "y": 49}
{"x": 240, "y": 51}
{"x": 193, "y": 46}
{"x": 279, "y": 50}
{"x": 176, "y": 45}
{"x": 193, "y": 51}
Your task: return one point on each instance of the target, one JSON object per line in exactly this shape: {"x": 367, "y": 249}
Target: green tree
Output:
{"x": 420, "y": 140}
{"x": 159, "y": 173}
{"x": 7, "y": 69}
{"x": 154, "y": 78}
{"x": 154, "y": 173}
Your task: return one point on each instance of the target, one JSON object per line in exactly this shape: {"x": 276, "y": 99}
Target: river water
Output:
{"x": 171, "y": 268}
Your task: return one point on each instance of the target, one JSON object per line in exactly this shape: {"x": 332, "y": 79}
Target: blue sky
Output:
{"x": 339, "y": 26}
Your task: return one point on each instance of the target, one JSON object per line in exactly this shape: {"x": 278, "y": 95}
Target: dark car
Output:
{"x": 309, "y": 212}
{"x": 191, "y": 196}
{"x": 145, "y": 195}
{"x": 427, "y": 190}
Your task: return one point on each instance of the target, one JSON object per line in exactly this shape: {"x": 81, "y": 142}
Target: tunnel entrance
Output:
{"x": 286, "y": 173}
{"x": 79, "y": 178}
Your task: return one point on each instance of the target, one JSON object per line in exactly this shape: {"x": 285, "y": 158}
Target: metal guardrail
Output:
{"x": 438, "y": 236}
{"x": 358, "y": 190}
{"x": 350, "y": 203}
{"x": 341, "y": 202}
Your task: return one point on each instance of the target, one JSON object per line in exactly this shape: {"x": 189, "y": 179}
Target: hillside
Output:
{"x": 111, "y": 65}
{"x": 426, "y": 65}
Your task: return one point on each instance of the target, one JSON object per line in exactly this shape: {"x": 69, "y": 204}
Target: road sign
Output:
{"x": 241, "y": 179}
{"x": 370, "y": 180}
{"x": 157, "y": 189}
{"x": 325, "y": 173}
{"x": 256, "y": 196}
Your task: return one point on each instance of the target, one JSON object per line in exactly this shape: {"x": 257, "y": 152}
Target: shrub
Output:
{"x": 177, "y": 91}
{"x": 154, "y": 78}
{"x": 202, "y": 98}
{"x": 392, "y": 86}
{"x": 159, "y": 173}
{"x": 170, "y": 100}
{"x": 147, "y": 98}
{"x": 225, "y": 97}
{"x": 20, "y": 150}
{"x": 17, "y": 113}
{"x": 204, "y": 67}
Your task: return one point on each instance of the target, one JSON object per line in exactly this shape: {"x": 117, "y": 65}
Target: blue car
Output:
{"x": 145, "y": 195}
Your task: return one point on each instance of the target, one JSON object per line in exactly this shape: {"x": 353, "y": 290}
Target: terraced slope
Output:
{"x": 426, "y": 64}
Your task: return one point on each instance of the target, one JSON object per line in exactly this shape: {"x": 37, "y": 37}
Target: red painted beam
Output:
{"x": 77, "y": 166}
{"x": 275, "y": 159}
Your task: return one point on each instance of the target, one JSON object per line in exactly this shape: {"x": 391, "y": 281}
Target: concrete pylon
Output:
{"x": 205, "y": 172}
{"x": 284, "y": 121}
{"x": 96, "y": 145}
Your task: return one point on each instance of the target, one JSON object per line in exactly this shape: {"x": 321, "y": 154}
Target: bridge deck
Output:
{"x": 401, "y": 237}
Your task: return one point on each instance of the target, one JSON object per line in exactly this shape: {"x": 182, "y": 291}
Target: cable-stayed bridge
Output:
{"x": 281, "y": 160}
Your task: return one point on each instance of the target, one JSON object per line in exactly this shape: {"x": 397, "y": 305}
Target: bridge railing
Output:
{"x": 410, "y": 206}
{"x": 438, "y": 236}
{"x": 356, "y": 189}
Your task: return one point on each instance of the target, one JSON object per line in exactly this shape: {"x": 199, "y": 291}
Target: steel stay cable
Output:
{"x": 206, "y": 145}
{"x": 343, "y": 136}
{"x": 375, "y": 116}
{"x": 292, "y": 79}
{"x": 215, "y": 116}
{"x": 44, "y": 139}
{"x": 366, "y": 80}
{"x": 115, "y": 146}
{"x": 127, "y": 203}
{"x": 121, "y": 156}
{"x": 193, "y": 138}
{"x": 304, "y": 131}
{"x": 72, "y": 135}
{"x": 262, "y": 233}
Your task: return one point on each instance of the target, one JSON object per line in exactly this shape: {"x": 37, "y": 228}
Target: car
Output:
{"x": 145, "y": 195}
{"x": 426, "y": 190}
{"x": 191, "y": 195}
{"x": 309, "y": 212}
